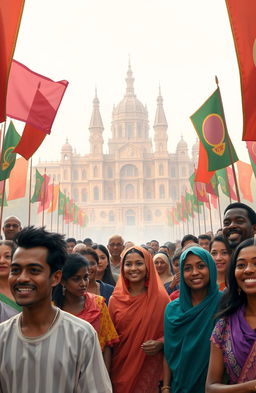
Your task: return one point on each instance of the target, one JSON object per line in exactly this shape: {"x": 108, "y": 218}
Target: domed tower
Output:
{"x": 130, "y": 120}
{"x": 182, "y": 149}
{"x": 160, "y": 126}
{"x": 96, "y": 129}
{"x": 66, "y": 151}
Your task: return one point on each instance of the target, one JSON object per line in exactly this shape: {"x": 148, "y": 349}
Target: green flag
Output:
{"x": 223, "y": 181}
{"x": 76, "y": 210}
{"x": 11, "y": 140}
{"x": 61, "y": 204}
{"x": 189, "y": 203}
{"x": 38, "y": 187}
{"x": 209, "y": 123}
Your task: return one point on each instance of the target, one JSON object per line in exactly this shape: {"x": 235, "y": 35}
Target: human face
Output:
{"x": 77, "y": 284}
{"x": 11, "y": 228}
{"x": 115, "y": 246}
{"x": 103, "y": 260}
{"x": 245, "y": 270}
{"x": 155, "y": 246}
{"x": 221, "y": 256}
{"x": 5, "y": 260}
{"x": 30, "y": 278}
{"x": 93, "y": 266}
{"x": 176, "y": 266}
{"x": 204, "y": 243}
{"x": 237, "y": 226}
{"x": 196, "y": 273}
{"x": 70, "y": 246}
{"x": 160, "y": 265}
{"x": 134, "y": 267}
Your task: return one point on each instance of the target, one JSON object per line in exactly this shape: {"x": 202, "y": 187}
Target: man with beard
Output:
{"x": 239, "y": 223}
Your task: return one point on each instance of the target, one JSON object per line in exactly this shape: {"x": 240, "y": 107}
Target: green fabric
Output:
{"x": 11, "y": 140}
{"x": 187, "y": 331}
{"x": 223, "y": 181}
{"x": 209, "y": 123}
{"x": 10, "y": 302}
{"x": 61, "y": 203}
{"x": 38, "y": 187}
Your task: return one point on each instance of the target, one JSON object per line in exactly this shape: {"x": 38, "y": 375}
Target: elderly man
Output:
{"x": 11, "y": 227}
{"x": 115, "y": 247}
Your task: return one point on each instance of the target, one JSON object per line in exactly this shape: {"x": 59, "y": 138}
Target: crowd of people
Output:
{"x": 78, "y": 316}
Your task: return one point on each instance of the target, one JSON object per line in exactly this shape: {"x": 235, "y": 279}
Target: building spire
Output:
{"x": 129, "y": 81}
{"x": 160, "y": 119}
{"x": 96, "y": 121}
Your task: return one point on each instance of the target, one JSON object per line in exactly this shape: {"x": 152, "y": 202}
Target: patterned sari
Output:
{"x": 237, "y": 341}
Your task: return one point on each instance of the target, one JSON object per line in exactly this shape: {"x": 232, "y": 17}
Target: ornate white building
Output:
{"x": 130, "y": 189}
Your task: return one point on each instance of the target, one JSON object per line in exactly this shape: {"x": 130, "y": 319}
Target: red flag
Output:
{"x": 214, "y": 200}
{"x": 202, "y": 173}
{"x": 10, "y": 17}
{"x": 54, "y": 200}
{"x": 231, "y": 182}
{"x": 44, "y": 195}
{"x": 33, "y": 98}
{"x": 30, "y": 141}
{"x": 242, "y": 15}
{"x": 18, "y": 179}
{"x": 244, "y": 179}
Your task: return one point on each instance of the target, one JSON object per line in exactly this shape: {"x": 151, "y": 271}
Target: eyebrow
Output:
{"x": 30, "y": 264}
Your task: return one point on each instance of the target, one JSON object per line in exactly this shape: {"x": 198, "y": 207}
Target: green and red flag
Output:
{"x": 8, "y": 157}
{"x": 189, "y": 204}
{"x": 61, "y": 203}
{"x": 226, "y": 183}
{"x": 202, "y": 174}
{"x": 184, "y": 208}
{"x": 244, "y": 179}
{"x": 38, "y": 187}
{"x": 76, "y": 211}
{"x": 251, "y": 146}
{"x": 210, "y": 125}
{"x": 198, "y": 189}
{"x": 242, "y": 15}
{"x": 212, "y": 186}
{"x": 2, "y": 187}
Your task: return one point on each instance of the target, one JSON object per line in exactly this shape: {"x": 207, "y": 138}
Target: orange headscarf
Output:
{"x": 137, "y": 319}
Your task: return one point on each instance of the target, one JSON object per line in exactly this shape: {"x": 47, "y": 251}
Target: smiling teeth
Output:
{"x": 24, "y": 289}
{"x": 250, "y": 280}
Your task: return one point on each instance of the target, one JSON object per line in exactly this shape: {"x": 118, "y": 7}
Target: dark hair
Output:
{"x": 205, "y": 237}
{"x": 9, "y": 243}
{"x": 131, "y": 251}
{"x": 177, "y": 254}
{"x": 154, "y": 241}
{"x": 107, "y": 276}
{"x": 231, "y": 299}
{"x": 239, "y": 205}
{"x": 223, "y": 240}
{"x": 89, "y": 251}
{"x": 71, "y": 240}
{"x": 87, "y": 240}
{"x": 164, "y": 247}
{"x": 31, "y": 237}
{"x": 74, "y": 263}
{"x": 170, "y": 245}
{"x": 188, "y": 237}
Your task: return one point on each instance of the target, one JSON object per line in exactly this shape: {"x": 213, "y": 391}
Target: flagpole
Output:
{"x": 229, "y": 146}
{"x": 199, "y": 227}
{"x": 58, "y": 216}
{"x": 64, "y": 207}
{"x": 210, "y": 212}
{"x": 204, "y": 218}
{"x": 193, "y": 224}
{"x": 29, "y": 192}
{"x": 2, "y": 202}
{"x": 44, "y": 196}
{"x": 219, "y": 210}
{"x": 52, "y": 203}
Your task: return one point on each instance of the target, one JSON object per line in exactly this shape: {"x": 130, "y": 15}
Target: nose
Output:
{"x": 218, "y": 257}
{"x": 250, "y": 268}
{"x": 23, "y": 276}
{"x": 194, "y": 271}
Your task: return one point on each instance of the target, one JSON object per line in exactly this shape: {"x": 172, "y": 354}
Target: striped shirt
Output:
{"x": 66, "y": 359}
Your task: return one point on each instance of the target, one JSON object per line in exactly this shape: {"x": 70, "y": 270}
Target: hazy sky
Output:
{"x": 180, "y": 44}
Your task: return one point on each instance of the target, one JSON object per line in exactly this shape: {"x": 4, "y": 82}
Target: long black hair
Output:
{"x": 107, "y": 276}
{"x": 73, "y": 264}
{"x": 234, "y": 298}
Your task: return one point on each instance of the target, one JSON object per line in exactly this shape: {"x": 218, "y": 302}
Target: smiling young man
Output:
{"x": 239, "y": 223}
{"x": 44, "y": 349}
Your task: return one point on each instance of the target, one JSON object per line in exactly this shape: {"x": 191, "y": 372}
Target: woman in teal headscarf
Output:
{"x": 189, "y": 322}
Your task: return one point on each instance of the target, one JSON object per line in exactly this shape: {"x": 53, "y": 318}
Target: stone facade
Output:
{"x": 130, "y": 189}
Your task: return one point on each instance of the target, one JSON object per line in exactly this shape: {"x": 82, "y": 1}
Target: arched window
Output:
{"x": 148, "y": 171}
{"x": 96, "y": 193}
{"x": 108, "y": 194}
{"x": 147, "y": 215}
{"x": 161, "y": 170}
{"x": 129, "y": 130}
{"x": 75, "y": 174}
{"x": 109, "y": 172}
{"x": 173, "y": 193}
{"x": 129, "y": 171}
{"x": 83, "y": 174}
{"x": 130, "y": 217}
{"x": 173, "y": 171}
{"x": 161, "y": 192}
{"x": 111, "y": 216}
{"x": 84, "y": 195}
{"x": 75, "y": 194}
{"x": 95, "y": 171}
{"x": 129, "y": 191}
{"x": 148, "y": 193}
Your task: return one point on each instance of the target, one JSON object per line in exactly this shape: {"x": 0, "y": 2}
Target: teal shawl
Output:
{"x": 187, "y": 331}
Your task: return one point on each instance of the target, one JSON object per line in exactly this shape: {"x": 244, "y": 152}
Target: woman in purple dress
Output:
{"x": 232, "y": 366}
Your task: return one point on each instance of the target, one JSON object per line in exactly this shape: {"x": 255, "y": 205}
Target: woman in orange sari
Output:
{"x": 137, "y": 309}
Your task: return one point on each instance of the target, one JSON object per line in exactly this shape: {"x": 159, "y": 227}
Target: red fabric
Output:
{"x": 33, "y": 98}
{"x": 54, "y": 200}
{"x": 10, "y": 17}
{"x": 251, "y": 146}
{"x": 137, "y": 319}
{"x": 231, "y": 183}
{"x": 214, "y": 201}
{"x": 242, "y": 16}
{"x": 202, "y": 174}
{"x": 175, "y": 294}
{"x": 200, "y": 192}
{"x": 30, "y": 141}
{"x": 18, "y": 179}
{"x": 91, "y": 312}
{"x": 45, "y": 195}
{"x": 244, "y": 179}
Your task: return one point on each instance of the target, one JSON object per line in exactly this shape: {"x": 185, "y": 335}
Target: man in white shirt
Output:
{"x": 44, "y": 349}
